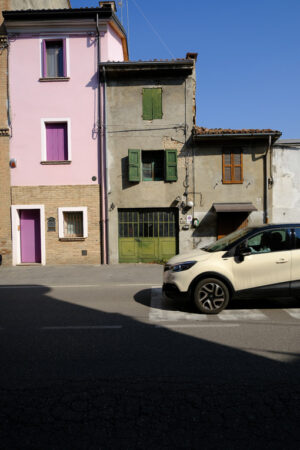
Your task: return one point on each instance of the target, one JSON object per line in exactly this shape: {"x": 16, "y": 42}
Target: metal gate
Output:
{"x": 147, "y": 235}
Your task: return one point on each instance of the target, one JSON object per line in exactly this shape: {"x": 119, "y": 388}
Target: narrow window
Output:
{"x": 73, "y": 224}
{"x": 152, "y": 103}
{"x": 232, "y": 166}
{"x": 54, "y": 58}
{"x": 56, "y": 141}
{"x": 153, "y": 165}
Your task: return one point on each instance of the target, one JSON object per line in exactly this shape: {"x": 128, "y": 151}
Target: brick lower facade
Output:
{"x": 54, "y": 197}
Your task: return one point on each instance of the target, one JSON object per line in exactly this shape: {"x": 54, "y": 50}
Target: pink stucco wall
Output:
{"x": 76, "y": 99}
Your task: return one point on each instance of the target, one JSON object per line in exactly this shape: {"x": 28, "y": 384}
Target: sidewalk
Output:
{"x": 81, "y": 274}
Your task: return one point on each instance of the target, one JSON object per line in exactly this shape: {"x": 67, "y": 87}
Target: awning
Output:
{"x": 234, "y": 207}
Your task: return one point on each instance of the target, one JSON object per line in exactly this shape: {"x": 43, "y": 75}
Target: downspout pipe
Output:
{"x": 266, "y": 209}
{"x": 101, "y": 152}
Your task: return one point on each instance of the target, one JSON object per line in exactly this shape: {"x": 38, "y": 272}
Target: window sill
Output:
{"x": 72, "y": 239}
{"x": 49, "y": 163}
{"x": 45, "y": 79}
{"x": 232, "y": 182}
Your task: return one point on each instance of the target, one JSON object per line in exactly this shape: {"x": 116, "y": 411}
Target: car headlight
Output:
{"x": 180, "y": 267}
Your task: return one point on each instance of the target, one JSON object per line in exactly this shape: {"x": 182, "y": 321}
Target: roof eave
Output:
{"x": 227, "y": 136}
{"x": 144, "y": 68}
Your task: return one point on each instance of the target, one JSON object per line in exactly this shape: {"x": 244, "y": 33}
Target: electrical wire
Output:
{"x": 153, "y": 29}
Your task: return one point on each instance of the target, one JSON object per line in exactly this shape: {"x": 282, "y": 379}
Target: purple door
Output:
{"x": 30, "y": 236}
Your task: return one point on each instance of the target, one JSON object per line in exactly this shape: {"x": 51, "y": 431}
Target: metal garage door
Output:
{"x": 147, "y": 235}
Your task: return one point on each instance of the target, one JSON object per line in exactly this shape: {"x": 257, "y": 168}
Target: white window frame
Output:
{"x": 44, "y": 138}
{"x": 83, "y": 209}
{"x": 54, "y": 38}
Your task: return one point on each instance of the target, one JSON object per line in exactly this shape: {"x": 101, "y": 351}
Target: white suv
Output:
{"x": 252, "y": 261}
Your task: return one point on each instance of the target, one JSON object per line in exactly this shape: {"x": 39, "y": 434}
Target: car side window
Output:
{"x": 269, "y": 241}
{"x": 297, "y": 238}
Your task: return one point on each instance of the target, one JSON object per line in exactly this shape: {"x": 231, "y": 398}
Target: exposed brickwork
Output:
{"x": 53, "y": 197}
{"x": 5, "y": 228}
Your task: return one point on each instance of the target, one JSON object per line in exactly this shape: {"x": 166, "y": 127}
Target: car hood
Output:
{"x": 193, "y": 255}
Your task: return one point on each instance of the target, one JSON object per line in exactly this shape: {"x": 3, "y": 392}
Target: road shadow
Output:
{"x": 186, "y": 305}
{"x": 77, "y": 377}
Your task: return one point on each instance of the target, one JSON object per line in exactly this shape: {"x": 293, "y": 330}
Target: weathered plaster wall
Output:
{"x": 209, "y": 188}
{"x": 126, "y": 129}
{"x": 38, "y": 4}
{"x": 286, "y": 187}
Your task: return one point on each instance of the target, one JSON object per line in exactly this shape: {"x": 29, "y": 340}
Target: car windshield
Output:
{"x": 224, "y": 243}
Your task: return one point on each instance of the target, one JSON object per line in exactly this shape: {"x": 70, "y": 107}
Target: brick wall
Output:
{"x": 5, "y": 229}
{"x": 53, "y": 197}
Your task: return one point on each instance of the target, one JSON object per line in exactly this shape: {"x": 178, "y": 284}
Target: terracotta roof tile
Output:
{"x": 222, "y": 131}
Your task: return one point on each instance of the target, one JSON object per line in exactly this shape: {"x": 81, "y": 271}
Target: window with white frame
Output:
{"x": 54, "y": 58}
{"x": 72, "y": 222}
{"x": 56, "y": 141}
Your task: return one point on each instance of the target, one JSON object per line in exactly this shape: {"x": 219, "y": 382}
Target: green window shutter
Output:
{"x": 147, "y": 104}
{"x": 134, "y": 164}
{"x": 157, "y": 103}
{"x": 171, "y": 165}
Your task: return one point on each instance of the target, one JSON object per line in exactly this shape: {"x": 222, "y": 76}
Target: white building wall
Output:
{"x": 286, "y": 187}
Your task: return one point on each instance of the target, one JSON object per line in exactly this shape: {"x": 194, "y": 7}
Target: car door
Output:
{"x": 266, "y": 269}
{"x": 295, "y": 269}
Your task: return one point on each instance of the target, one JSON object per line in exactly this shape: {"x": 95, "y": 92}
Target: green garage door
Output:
{"x": 147, "y": 235}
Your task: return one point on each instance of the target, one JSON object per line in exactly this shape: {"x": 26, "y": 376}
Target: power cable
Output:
{"x": 153, "y": 29}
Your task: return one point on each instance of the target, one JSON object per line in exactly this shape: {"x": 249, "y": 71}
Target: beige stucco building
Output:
{"x": 150, "y": 114}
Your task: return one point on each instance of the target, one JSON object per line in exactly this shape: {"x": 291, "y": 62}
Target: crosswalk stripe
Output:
{"x": 242, "y": 314}
{"x": 293, "y": 312}
{"x": 161, "y": 312}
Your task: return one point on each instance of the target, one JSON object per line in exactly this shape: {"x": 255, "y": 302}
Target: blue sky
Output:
{"x": 248, "y": 68}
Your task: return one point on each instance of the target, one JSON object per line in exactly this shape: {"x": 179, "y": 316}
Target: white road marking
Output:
{"x": 160, "y": 313}
{"x": 242, "y": 314}
{"x": 293, "y": 312}
{"x": 84, "y": 327}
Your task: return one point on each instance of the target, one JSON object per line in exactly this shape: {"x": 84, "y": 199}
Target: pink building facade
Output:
{"x": 56, "y": 147}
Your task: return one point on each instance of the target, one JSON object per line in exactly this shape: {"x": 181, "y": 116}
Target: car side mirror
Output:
{"x": 242, "y": 251}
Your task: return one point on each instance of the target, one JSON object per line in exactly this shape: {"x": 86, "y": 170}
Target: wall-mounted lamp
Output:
{"x": 13, "y": 163}
{"x": 177, "y": 200}
{"x": 112, "y": 206}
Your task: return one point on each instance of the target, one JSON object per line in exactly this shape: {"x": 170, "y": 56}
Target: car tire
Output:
{"x": 211, "y": 296}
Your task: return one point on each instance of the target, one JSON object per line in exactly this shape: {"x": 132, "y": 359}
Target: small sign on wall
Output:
{"x": 51, "y": 224}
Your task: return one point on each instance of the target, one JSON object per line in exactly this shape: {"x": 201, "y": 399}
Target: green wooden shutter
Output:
{"x": 171, "y": 165}
{"x": 134, "y": 164}
{"x": 157, "y": 103}
{"x": 147, "y": 104}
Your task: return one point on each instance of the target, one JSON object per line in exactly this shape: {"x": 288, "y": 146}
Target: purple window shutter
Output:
{"x": 44, "y": 59}
{"x": 64, "y": 58}
{"x": 57, "y": 141}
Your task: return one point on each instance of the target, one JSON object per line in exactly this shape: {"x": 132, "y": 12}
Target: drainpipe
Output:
{"x": 104, "y": 146}
{"x": 266, "y": 212}
{"x": 101, "y": 149}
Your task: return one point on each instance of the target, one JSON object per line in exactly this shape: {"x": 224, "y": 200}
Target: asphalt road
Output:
{"x": 95, "y": 358}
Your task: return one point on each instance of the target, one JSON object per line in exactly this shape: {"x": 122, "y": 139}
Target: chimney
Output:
{"x": 192, "y": 56}
{"x": 108, "y": 5}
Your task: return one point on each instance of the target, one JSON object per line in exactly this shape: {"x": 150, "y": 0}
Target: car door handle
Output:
{"x": 281, "y": 261}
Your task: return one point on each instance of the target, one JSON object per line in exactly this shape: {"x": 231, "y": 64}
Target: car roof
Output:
{"x": 272, "y": 226}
